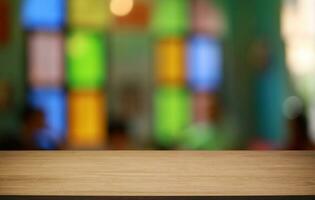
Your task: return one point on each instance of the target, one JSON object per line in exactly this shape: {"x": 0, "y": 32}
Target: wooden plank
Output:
{"x": 157, "y": 173}
{"x": 157, "y": 198}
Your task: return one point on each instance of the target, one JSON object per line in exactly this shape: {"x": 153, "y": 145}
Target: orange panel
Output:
{"x": 139, "y": 16}
{"x": 170, "y": 62}
{"x": 87, "y": 120}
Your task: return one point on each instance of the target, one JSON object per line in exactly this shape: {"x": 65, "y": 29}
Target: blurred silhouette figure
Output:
{"x": 213, "y": 132}
{"x": 9, "y": 141}
{"x": 118, "y": 138}
{"x": 298, "y": 137}
{"x": 33, "y": 122}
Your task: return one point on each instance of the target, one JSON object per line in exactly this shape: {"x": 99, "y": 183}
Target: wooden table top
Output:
{"x": 157, "y": 173}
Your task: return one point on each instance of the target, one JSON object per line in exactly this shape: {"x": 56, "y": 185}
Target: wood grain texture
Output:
{"x": 157, "y": 173}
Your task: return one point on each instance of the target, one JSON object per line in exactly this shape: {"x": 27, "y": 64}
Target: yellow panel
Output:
{"x": 89, "y": 13}
{"x": 87, "y": 120}
{"x": 170, "y": 62}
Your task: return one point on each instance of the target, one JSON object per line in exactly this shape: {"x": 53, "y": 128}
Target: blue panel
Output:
{"x": 48, "y": 15}
{"x": 52, "y": 103}
{"x": 204, "y": 64}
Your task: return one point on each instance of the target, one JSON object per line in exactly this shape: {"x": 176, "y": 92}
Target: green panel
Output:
{"x": 170, "y": 17}
{"x": 12, "y": 72}
{"x": 86, "y": 60}
{"x": 171, "y": 115}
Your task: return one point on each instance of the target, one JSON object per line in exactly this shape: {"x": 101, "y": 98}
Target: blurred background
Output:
{"x": 157, "y": 74}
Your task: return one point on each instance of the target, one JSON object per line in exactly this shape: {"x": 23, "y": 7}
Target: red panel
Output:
{"x": 4, "y": 22}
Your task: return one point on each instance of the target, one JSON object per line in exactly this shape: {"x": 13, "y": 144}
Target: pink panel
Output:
{"x": 46, "y": 67}
{"x": 206, "y": 18}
